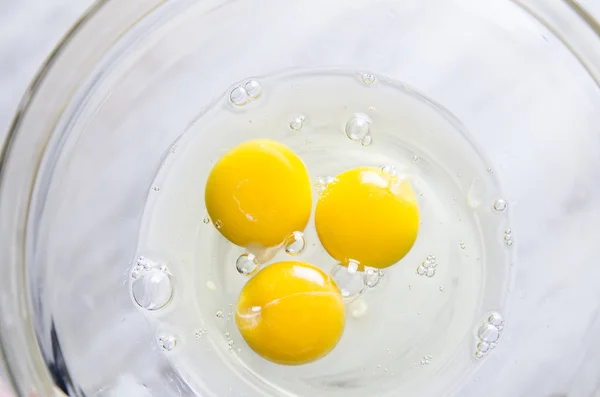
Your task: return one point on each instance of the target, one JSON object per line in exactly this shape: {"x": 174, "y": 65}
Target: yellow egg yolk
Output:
{"x": 368, "y": 216}
{"x": 259, "y": 193}
{"x": 291, "y": 313}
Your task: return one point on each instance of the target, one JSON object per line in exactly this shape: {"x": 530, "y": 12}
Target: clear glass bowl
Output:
{"x": 92, "y": 131}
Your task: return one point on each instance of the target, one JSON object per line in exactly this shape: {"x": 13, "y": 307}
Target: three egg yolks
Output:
{"x": 258, "y": 194}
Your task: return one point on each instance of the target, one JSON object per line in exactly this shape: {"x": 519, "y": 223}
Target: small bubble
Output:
{"x": 488, "y": 333}
{"x": 238, "y": 96}
{"x": 349, "y": 281}
{"x": 372, "y": 277}
{"x": 478, "y": 355}
{"x": 500, "y": 205}
{"x": 167, "y": 342}
{"x": 441, "y": 288}
{"x": 155, "y": 188}
{"x": 495, "y": 319}
{"x": 227, "y": 335}
{"x": 483, "y": 347}
{"x": 246, "y": 264}
{"x": 230, "y": 343}
{"x": 206, "y": 220}
{"x": 389, "y": 169}
{"x": 421, "y": 270}
{"x": 218, "y": 224}
{"x": 415, "y": 158}
{"x": 462, "y": 245}
{"x": 430, "y": 272}
{"x": 367, "y": 78}
{"x": 372, "y": 109}
{"x": 297, "y": 123}
{"x": 294, "y": 243}
{"x": 152, "y": 289}
{"x": 367, "y": 141}
{"x": 358, "y": 127}
{"x": 220, "y": 314}
{"x": 253, "y": 89}
{"x": 490, "y": 171}
{"x": 493, "y": 345}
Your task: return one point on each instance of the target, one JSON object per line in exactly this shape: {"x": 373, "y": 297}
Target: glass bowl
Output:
{"x": 121, "y": 90}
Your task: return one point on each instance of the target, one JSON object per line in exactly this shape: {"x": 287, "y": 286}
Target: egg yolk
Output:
{"x": 369, "y": 216}
{"x": 259, "y": 193}
{"x": 291, "y": 313}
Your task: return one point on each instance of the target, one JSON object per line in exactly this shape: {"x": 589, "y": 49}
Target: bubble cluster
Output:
{"x": 426, "y": 360}
{"x": 322, "y": 182}
{"x": 167, "y": 342}
{"x": 508, "y": 238}
{"x": 201, "y": 333}
{"x": 151, "y": 287}
{"x": 358, "y": 127}
{"x": 297, "y": 123}
{"x": 389, "y": 169}
{"x": 349, "y": 280}
{"x": 427, "y": 267}
{"x": 242, "y": 94}
{"x": 488, "y": 334}
{"x": 500, "y": 205}
{"x": 294, "y": 243}
{"x": 367, "y": 78}
{"x": 246, "y": 264}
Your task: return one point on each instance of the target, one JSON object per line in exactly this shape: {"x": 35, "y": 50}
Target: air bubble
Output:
{"x": 322, "y": 182}
{"x": 495, "y": 319}
{"x": 297, "y": 123}
{"x": 230, "y": 343}
{"x": 238, "y": 96}
{"x": 372, "y": 277}
{"x": 500, "y": 205}
{"x": 220, "y": 314}
{"x": 478, "y": 355}
{"x": 367, "y": 78}
{"x": 389, "y": 169}
{"x": 349, "y": 281}
{"x": 488, "y": 333}
{"x": 206, "y": 220}
{"x": 415, "y": 158}
{"x": 218, "y": 224}
{"x": 358, "y": 127}
{"x": 367, "y": 141}
{"x": 253, "y": 89}
{"x": 246, "y": 264}
{"x": 483, "y": 347}
{"x": 294, "y": 243}
{"x": 462, "y": 245}
{"x": 430, "y": 272}
{"x": 152, "y": 289}
{"x": 167, "y": 342}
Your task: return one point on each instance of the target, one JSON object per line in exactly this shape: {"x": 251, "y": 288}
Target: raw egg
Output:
{"x": 258, "y": 194}
{"x": 368, "y": 216}
{"x": 291, "y": 313}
